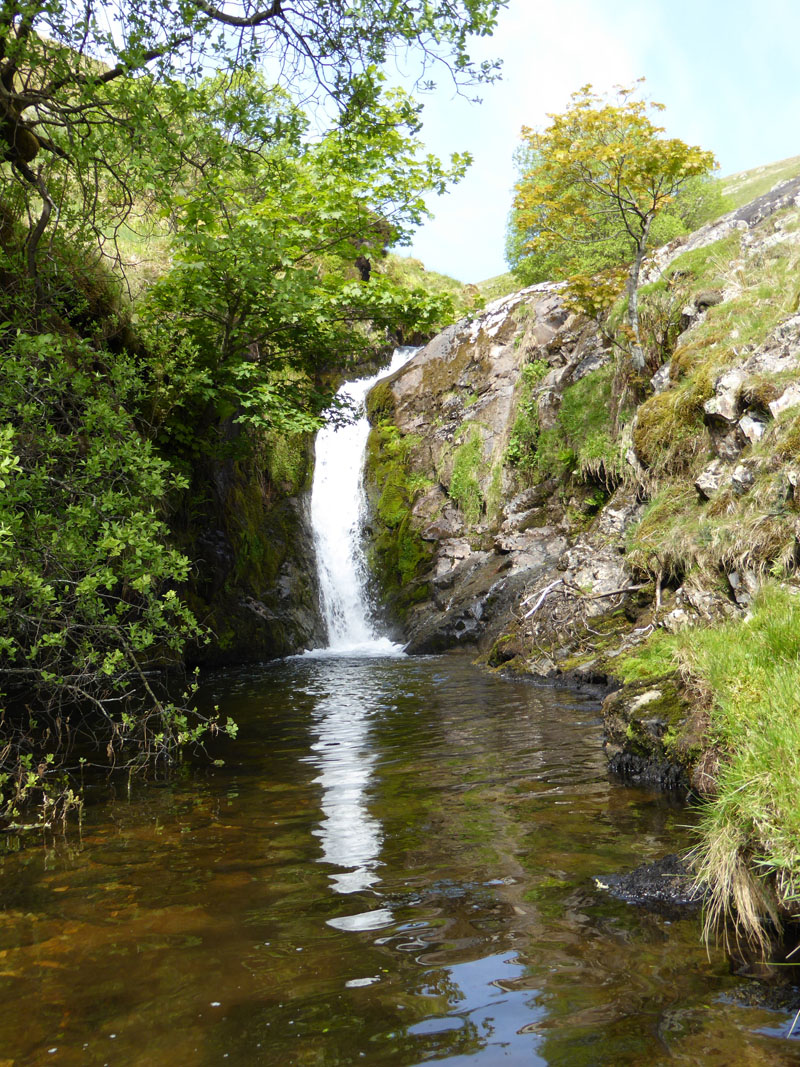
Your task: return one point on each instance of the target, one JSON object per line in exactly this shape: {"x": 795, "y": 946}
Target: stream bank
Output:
{"x": 525, "y": 509}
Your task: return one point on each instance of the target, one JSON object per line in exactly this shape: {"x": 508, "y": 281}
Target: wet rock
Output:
{"x": 447, "y": 525}
{"x": 215, "y": 551}
{"x": 451, "y": 554}
{"x": 515, "y": 532}
{"x": 642, "y": 724}
{"x": 655, "y": 735}
{"x": 476, "y": 595}
{"x": 665, "y": 885}
{"x": 531, "y": 498}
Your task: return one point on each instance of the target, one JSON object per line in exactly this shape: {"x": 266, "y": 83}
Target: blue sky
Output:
{"x": 729, "y": 74}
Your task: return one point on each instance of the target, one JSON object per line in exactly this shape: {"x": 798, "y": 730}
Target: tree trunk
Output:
{"x": 637, "y": 355}
{"x": 36, "y": 179}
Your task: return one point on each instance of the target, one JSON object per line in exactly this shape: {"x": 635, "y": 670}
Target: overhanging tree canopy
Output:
{"x": 76, "y": 77}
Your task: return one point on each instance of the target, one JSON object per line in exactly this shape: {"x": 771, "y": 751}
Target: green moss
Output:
{"x": 464, "y": 489}
{"x": 607, "y": 630}
{"x": 380, "y": 403}
{"x": 749, "y": 835}
{"x": 650, "y": 661}
{"x": 521, "y": 450}
{"x": 397, "y": 555}
{"x": 651, "y": 719}
{"x": 258, "y": 533}
{"x": 288, "y": 462}
{"x": 670, "y": 432}
{"x": 584, "y": 442}
{"x": 586, "y": 420}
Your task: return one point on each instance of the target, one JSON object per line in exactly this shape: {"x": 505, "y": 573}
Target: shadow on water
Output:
{"x": 393, "y": 866}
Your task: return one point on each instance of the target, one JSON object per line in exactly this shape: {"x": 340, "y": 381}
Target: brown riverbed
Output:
{"x": 395, "y": 865}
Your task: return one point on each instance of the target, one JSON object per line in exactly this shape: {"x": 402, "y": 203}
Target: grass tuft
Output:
{"x": 748, "y": 854}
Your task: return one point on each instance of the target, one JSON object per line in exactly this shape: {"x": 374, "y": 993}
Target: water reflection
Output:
{"x": 351, "y": 837}
{"x": 394, "y": 865}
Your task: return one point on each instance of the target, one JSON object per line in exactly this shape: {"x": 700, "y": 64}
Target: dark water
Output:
{"x": 394, "y": 866}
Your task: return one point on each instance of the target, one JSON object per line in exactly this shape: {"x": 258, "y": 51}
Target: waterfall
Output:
{"x": 338, "y": 506}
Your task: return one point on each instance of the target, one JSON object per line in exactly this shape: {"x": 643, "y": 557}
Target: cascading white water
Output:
{"x": 337, "y": 517}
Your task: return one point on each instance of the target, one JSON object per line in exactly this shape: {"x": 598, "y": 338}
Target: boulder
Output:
{"x": 744, "y": 586}
{"x": 742, "y": 477}
{"x": 708, "y": 298}
{"x": 723, "y": 407}
{"x": 712, "y": 478}
{"x": 661, "y": 380}
{"x": 752, "y": 428}
{"x": 788, "y": 399}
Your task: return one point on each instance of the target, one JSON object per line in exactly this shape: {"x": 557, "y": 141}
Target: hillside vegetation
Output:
{"x": 186, "y": 273}
{"x": 716, "y": 443}
{"x": 740, "y": 189}
{"x": 564, "y": 514}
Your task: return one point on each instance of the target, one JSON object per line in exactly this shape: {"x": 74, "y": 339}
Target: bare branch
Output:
{"x": 258, "y": 18}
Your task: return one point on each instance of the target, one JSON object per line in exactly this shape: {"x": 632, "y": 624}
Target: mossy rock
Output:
{"x": 397, "y": 554}
{"x": 653, "y": 734}
{"x": 465, "y": 488}
{"x": 380, "y": 403}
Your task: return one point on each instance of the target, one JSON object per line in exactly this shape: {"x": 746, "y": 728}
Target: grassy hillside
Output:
{"x": 713, "y": 429}
{"x": 746, "y": 186}
{"x": 719, "y": 447}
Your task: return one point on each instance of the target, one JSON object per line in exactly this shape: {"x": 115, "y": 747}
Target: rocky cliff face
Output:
{"x": 495, "y": 538}
{"x": 520, "y": 510}
{"x": 246, "y": 525}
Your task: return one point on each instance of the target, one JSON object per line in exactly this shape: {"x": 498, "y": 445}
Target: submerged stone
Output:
{"x": 666, "y": 886}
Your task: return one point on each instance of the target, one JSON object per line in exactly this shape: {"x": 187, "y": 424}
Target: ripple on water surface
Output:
{"x": 394, "y": 865}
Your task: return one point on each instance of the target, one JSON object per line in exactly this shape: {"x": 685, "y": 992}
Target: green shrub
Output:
{"x": 89, "y": 604}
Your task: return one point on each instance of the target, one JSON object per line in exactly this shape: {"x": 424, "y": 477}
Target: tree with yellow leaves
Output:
{"x": 599, "y": 176}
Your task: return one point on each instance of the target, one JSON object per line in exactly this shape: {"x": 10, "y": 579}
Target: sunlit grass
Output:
{"x": 749, "y": 834}
{"x": 747, "y": 185}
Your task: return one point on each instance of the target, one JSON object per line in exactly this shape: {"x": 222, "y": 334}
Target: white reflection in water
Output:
{"x": 350, "y": 836}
